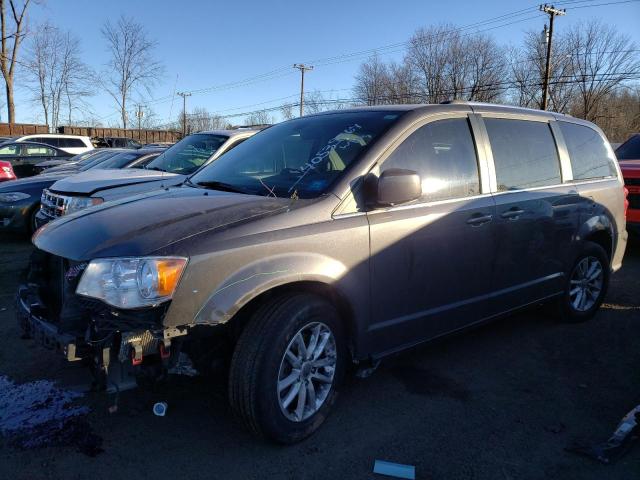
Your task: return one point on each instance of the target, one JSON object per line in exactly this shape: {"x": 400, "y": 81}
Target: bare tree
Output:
{"x": 372, "y": 81}
{"x": 427, "y": 55}
{"x": 11, "y": 42}
{"x": 602, "y": 59}
{"x": 57, "y": 77}
{"x": 200, "y": 120}
{"x": 261, "y": 117}
{"x": 527, "y": 69}
{"x": 286, "y": 110}
{"x": 486, "y": 69}
{"x": 447, "y": 64}
{"x": 132, "y": 65}
{"x": 401, "y": 84}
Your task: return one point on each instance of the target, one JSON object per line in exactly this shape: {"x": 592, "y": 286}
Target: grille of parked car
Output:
{"x": 52, "y": 204}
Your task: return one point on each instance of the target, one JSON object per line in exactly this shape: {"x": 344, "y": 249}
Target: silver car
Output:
{"x": 334, "y": 239}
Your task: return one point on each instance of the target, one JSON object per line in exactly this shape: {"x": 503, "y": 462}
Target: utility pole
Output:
{"x": 184, "y": 96}
{"x": 552, "y": 12}
{"x": 139, "y": 115}
{"x": 302, "y": 67}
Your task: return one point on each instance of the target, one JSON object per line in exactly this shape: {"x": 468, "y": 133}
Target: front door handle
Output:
{"x": 512, "y": 214}
{"x": 479, "y": 219}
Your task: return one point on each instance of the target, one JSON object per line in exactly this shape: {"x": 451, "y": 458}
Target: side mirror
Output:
{"x": 397, "y": 185}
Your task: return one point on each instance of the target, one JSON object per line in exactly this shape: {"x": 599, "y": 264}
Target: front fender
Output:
{"x": 258, "y": 277}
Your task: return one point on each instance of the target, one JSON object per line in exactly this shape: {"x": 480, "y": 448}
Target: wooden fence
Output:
{"x": 143, "y": 136}
{"x": 15, "y": 129}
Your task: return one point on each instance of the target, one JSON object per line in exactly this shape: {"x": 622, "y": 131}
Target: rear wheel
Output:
{"x": 287, "y": 367}
{"x": 586, "y": 285}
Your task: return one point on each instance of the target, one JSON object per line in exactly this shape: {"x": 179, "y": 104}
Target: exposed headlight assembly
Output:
{"x": 132, "y": 282}
{"x": 11, "y": 197}
{"x": 80, "y": 203}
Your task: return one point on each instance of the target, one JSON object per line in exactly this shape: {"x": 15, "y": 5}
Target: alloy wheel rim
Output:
{"x": 307, "y": 370}
{"x": 586, "y": 284}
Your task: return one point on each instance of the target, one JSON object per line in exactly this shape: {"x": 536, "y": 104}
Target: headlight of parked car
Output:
{"x": 132, "y": 282}
{"x": 11, "y": 197}
{"x": 80, "y": 203}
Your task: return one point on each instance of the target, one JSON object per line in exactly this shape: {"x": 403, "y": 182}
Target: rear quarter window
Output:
{"x": 590, "y": 157}
{"x": 524, "y": 153}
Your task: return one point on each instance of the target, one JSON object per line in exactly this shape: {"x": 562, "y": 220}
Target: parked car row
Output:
{"x": 285, "y": 256}
{"x": 21, "y": 200}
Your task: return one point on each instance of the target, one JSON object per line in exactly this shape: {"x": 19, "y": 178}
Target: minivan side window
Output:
{"x": 524, "y": 153}
{"x": 70, "y": 143}
{"x": 443, "y": 154}
{"x": 588, "y": 152}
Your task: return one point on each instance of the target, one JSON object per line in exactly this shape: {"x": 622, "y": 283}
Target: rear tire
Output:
{"x": 586, "y": 285}
{"x": 268, "y": 365}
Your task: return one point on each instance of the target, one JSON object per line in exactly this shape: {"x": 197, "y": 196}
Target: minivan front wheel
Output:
{"x": 586, "y": 285}
{"x": 287, "y": 367}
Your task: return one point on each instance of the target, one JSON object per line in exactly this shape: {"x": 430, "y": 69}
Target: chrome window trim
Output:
{"x": 436, "y": 203}
{"x": 475, "y": 197}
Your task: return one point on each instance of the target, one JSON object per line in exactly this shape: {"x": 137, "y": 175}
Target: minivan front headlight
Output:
{"x": 132, "y": 282}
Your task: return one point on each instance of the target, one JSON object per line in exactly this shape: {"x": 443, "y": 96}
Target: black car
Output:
{"x": 115, "y": 142}
{"x": 20, "y": 199}
{"x": 25, "y": 155}
{"x": 65, "y": 162}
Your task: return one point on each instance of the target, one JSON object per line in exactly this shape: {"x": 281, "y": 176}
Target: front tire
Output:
{"x": 287, "y": 367}
{"x": 586, "y": 285}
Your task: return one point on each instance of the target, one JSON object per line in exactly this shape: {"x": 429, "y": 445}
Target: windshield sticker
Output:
{"x": 340, "y": 141}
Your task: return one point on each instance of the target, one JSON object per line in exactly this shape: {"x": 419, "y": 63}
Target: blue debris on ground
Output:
{"x": 39, "y": 414}
{"x": 396, "y": 470}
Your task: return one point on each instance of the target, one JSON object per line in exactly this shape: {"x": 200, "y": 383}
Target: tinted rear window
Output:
{"x": 524, "y": 153}
{"x": 588, "y": 151}
{"x": 70, "y": 143}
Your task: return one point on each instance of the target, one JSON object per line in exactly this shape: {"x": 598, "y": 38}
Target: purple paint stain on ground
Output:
{"x": 39, "y": 414}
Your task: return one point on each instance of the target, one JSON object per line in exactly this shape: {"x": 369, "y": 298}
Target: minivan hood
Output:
{"x": 145, "y": 223}
{"x": 94, "y": 180}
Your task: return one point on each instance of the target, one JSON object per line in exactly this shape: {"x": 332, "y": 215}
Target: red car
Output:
{"x": 628, "y": 155}
{"x": 6, "y": 171}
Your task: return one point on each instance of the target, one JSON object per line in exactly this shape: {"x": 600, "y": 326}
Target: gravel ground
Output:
{"x": 500, "y": 402}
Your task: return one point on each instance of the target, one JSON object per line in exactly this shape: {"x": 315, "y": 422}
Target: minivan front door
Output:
{"x": 431, "y": 260}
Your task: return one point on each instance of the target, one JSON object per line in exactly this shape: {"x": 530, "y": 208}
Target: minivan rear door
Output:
{"x": 431, "y": 259}
{"x": 536, "y": 214}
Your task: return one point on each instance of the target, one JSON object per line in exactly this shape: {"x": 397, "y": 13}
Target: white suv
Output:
{"x": 73, "y": 144}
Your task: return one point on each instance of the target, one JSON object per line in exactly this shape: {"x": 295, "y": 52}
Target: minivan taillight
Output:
{"x": 626, "y": 201}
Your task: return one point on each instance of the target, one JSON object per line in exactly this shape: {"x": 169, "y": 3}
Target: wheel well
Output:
{"x": 603, "y": 239}
{"x": 241, "y": 318}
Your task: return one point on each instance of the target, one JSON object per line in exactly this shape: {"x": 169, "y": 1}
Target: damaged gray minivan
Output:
{"x": 332, "y": 240}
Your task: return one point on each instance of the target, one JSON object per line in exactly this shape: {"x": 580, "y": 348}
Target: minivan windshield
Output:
{"x": 189, "y": 154}
{"x": 298, "y": 158}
